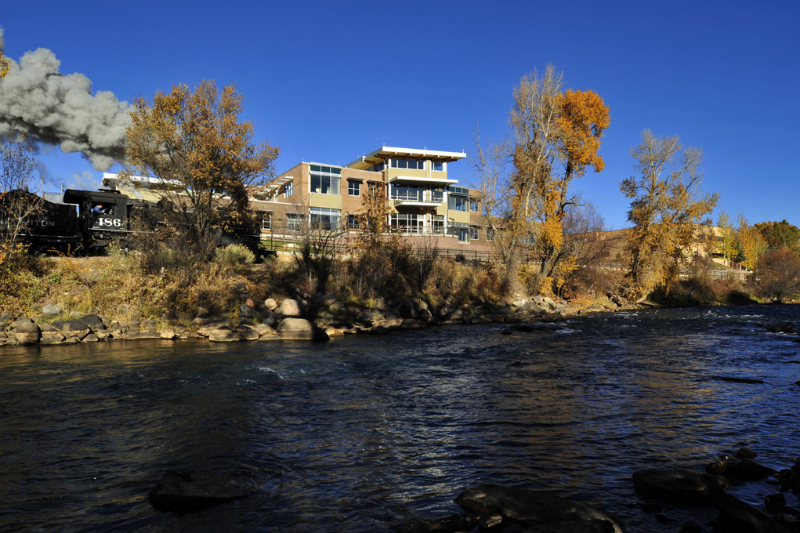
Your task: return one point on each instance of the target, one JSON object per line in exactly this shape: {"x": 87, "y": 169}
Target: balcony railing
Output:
{"x": 428, "y": 197}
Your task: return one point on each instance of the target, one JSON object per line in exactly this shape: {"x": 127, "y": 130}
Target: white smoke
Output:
{"x": 40, "y": 104}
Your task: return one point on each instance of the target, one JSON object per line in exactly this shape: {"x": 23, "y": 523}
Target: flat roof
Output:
{"x": 388, "y": 152}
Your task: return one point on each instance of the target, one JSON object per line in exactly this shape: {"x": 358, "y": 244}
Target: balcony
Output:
{"x": 418, "y": 198}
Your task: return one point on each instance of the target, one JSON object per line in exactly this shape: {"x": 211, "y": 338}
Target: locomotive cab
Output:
{"x": 102, "y": 215}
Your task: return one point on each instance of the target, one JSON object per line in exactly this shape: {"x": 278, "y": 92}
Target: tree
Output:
{"x": 5, "y": 63}
{"x": 555, "y": 138}
{"x": 750, "y": 244}
{"x": 18, "y": 204}
{"x": 778, "y": 274}
{"x": 727, "y": 237}
{"x": 666, "y": 206}
{"x": 203, "y": 156}
{"x": 780, "y": 234}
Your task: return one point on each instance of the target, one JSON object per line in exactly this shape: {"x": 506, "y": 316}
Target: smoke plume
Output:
{"x": 40, "y": 104}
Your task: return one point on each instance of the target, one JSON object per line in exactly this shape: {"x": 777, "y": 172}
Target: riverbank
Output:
{"x": 68, "y": 300}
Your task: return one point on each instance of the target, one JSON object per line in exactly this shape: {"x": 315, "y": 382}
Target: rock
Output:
{"x": 51, "y": 337}
{"x": 405, "y": 308}
{"x": 552, "y": 317}
{"x": 266, "y": 330}
{"x": 270, "y": 304}
{"x": 222, "y": 334}
{"x": 775, "y": 502}
{"x": 185, "y": 492}
{"x": 410, "y": 323}
{"x": 449, "y": 524}
{"x": 138, "y": 335}
{"x": 21, "y": 322}
{"x": 149, "y": 325}
{"x": 690, "y": 526}
{"x": 72, "y": 329}
{"x": 736, "y": 515}
{"x": 679, "y": 484}
{"x": 291, "y": 308}
{"x": 51, "y": 310}
{"x": 745, "y": 453}
{"x": 168, "y": 334}
{"x": 91, "y": 337}
{"x": 425, "y": 315}
{"x": 246, "y": 311}
{"x": 300, "y": 329}
{"x": 26, "y": 332}
{"x": 103, "y": 334}
{"x": 246, "y": 333}
{"x": 325, "y": 300}
{"x": 781, "y": 327}
{"x": 535, "y": 509}
{"x": 744, "y": 470}
{"x": 93, "y": 321}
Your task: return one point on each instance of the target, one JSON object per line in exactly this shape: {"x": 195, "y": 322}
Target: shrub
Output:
{"x": 779, "y": 274}
{"x": 233, "y": 255}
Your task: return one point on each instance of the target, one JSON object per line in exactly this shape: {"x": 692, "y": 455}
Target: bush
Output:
{"x": 778, "y": 274}
{"x": 233, "y": 255}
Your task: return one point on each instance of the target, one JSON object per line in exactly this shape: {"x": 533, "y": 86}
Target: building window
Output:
{"x": 463, "y": 234}
{"x": 458, "y": 203}
{"x": 412, "y": 194}
{"x": 378, "y": 168}
{"x": 294, "y": 222}
{"x": 288, "y": 189}
{"x": 325, "y": 218}
{"x": 405, "y": 223}
{"x": 474, "y": 234}
{"x": 437, "y": 195}
{"x": 325, "y": 180}
{"x": 473, "y": 205}
{"x": 354, "y": 188}
{"x": 353, "y": 222}
{"x": 266, "y": 220}
{"x": 438, "y": 165}
{"x": 489, "y": 234}
{"x": 408, "y": 163}
{"x": 438, "y": 224}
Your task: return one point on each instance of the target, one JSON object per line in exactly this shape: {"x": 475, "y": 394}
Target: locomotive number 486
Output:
{"x": 109, "y": 222}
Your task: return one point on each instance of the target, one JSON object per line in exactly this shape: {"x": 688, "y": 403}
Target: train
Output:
{"x": 88, "y": 221}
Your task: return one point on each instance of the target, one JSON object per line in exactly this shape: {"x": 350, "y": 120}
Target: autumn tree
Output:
{"x": 555, "y": 139}
{"x": 780, "y": 234}
{"x": 750, "y": 244}
{"x": 778, "y": 273}
{"x": 727, "y": 238}
{"x": 18, "y": 203}
{"x": 5, "y": 63}
{"x": 666, "y": 206}
{"x": 203, "y": 156}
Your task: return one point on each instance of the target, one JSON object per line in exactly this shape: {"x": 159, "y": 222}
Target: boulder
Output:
{"x": 300, "y": 329}
{"x": 168, "y": 334}
{"x": 679, "y": 484}
{"x": 26, "y": 331}
{"x": 185, "y": 492}
{"x": 270, "y": 304}
{"x": 51, "y": 310}
{"x": 93, "y": 321}
{"x": 91, "y": 337}
{"x": 448, "y": 524}
{"x": 744, "y": 470}
{"x": 266, "y": 330}
{"x": 291, "y": 308}
{"x": 135, "y": 335}
{"x": 325, "y": 300}
{"x": 51, "y": 337}
{"x": 222, "y": 334}
{"x": 530, "y": 508}
{"x": 72, "y": 329}
{"x": 246, "y": 333}
{"x": 736, "y": 515}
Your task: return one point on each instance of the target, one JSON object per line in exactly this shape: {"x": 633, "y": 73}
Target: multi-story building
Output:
{"x": 422, "y": 199}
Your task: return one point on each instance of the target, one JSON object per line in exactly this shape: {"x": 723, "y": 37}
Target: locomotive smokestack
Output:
{"x": 40, "y": 104}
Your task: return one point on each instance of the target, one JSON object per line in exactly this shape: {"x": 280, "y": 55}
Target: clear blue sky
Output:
{"x": 329, "y": 81}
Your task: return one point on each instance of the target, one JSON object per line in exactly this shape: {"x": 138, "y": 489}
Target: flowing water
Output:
{"x": 365, "y": 433}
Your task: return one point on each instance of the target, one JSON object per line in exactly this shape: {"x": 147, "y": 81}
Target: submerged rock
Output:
{"x": 679, "y": 484}
{"x": 185, "y": 492}
{"x": 736, "y": 515}
{"x": 530, "y": 508}
{"x": 744, "y": 470}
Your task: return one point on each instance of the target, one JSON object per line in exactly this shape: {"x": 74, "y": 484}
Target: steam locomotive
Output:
{"x": 91, "y": 220}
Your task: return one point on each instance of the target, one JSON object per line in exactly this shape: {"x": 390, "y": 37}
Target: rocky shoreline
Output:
{"x": 317, "y": 319}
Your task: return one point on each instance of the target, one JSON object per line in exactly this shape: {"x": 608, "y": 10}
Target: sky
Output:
{"x": 331, "y": 81}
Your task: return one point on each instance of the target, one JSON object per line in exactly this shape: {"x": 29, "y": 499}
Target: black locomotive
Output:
{"x": 91, "y": 220}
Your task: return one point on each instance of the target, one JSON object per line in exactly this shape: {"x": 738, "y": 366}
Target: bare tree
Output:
{"x": 18, "y": 203}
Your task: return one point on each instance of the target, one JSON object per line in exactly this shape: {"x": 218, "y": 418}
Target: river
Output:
{"x": 364, "y": 433}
